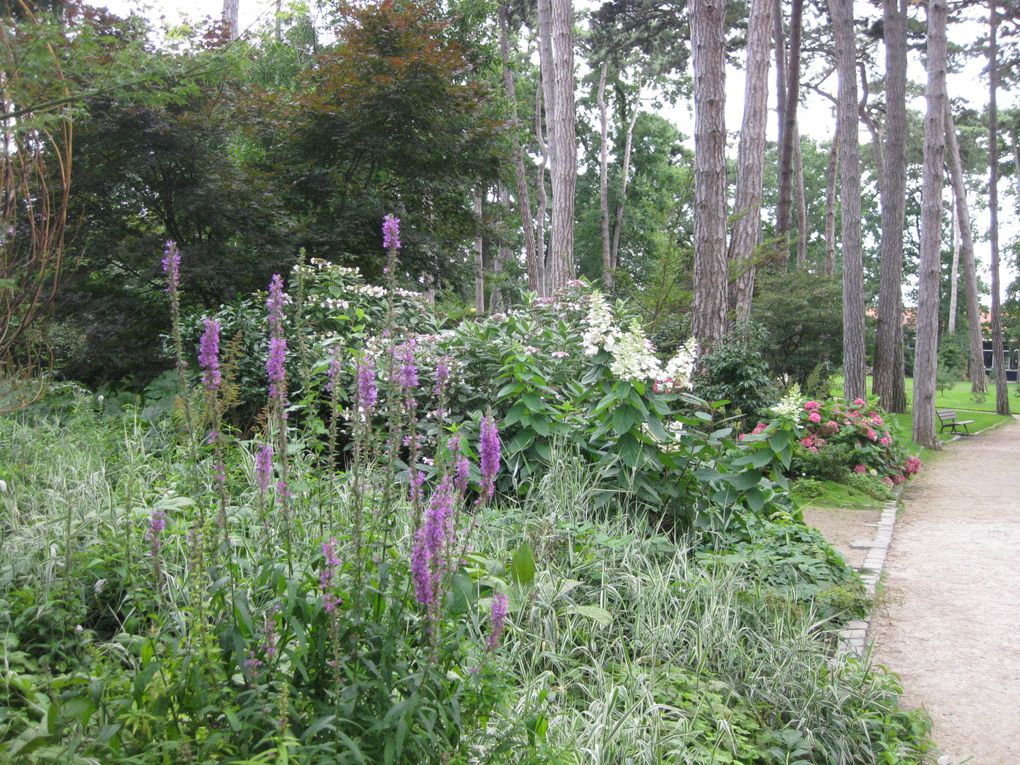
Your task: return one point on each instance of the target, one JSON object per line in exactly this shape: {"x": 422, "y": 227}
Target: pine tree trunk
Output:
{"x": 564, "y": 169}
{"x": 517, "y": 156}
{"x": 888, "y": 383}
{"x": 789, "y": 133}
{"x": 628, "y": 145}
{"x": 998, "y": 351}
{"x": 497, "y": 301}
{"x": 978, "y": 383}
{"x": 830, "y": 207}
{"x": 541, "y": 244}
{"x": 926, "y": 353}
{"x": 479, "y": 257}
{"x": 708, "y": 56}
{"x": 607, "y": 243}
{"x": 854, "y": 361}
{"x": 779, "y": 50}
{"x": 751, "y": 158}
{"x": 954, "y": 275}
{"x": 231, "y": 23}
{"x": 802, "y": 224}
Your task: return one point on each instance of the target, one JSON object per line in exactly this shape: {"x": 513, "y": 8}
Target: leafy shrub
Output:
{"x": 736, "y": 372}
{"x": 802, "y": 314}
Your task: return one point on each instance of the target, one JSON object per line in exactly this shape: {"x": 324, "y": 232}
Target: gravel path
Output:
{"x": 949, "y": 622}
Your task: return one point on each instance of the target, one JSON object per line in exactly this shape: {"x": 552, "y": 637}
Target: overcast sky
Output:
{"x": 816, "y": 116}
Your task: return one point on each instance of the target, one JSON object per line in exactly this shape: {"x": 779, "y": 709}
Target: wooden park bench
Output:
{"x": 947, "y": 418}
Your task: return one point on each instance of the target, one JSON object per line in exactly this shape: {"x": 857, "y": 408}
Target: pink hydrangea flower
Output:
{"x": 815, "y": 417}
{"x": 859, "y": 402}
{"x": 884, "y": 441}
{"x": 860, "y": 469}
{"x": 872, "y": 435}
{"x": 811, "y": 405}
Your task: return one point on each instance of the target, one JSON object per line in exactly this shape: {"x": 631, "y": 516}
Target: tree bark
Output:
{"x": 802, "y": 224}
{"x": 978, "y": 383}
{"x": 830, "y": 207}
{"x": 564, "y": 169}
{"x": 779, "y": 50}
{"x": 708, "y": 56}
{"x": 954, "y": 275}
{"x": 998, "y": 351}
{"x": 231, "y": 25}
{"x": 854, "y": 363}
{"x": 789, "y": 133}
{"x": 541, "y": 245}
{"x": 628, "y": 145}
{"x": 497, "y": 301}
{"x": 888, "y": 383}
{"x": 926, "y": 353}
{"x": 750, "y": 159}
{"x": 517, "y": 155}
{"x": 607, "y": 243}
{"x": 479, "y": 257}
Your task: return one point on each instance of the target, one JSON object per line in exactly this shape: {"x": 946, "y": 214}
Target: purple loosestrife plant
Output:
{"x": 209, "y": 355}
{"x": 500, "y": 608}
{"x": 433, "y": 541}
{"x": 172, "y": 270}
{"x": 368, "y": 393}
{"x": 264, "y": 467}
{"x": 157, "y": 525}
{"x": 489, "y": 451}
{"x": 276, "y": 372}
{"x": 327, "y": 576}
{"x": 391, "y": 232}
{"x": 407, "y": 370}
{"x": 172, "y": 267}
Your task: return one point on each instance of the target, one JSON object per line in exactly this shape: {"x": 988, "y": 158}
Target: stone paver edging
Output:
{"x": 853, "y": 637}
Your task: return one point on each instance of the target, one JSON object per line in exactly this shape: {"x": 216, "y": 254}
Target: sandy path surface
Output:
{"x": 949, "y": 622}
{"x": 843, "y": 528}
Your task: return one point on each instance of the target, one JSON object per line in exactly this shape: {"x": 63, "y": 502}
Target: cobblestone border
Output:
{"x": 853, "y": 637}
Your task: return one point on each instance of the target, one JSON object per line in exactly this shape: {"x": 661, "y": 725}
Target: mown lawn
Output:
{"x": 957, "y": 397}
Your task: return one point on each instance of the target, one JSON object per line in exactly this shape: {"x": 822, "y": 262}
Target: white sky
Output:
{"x": 816, "y": 117}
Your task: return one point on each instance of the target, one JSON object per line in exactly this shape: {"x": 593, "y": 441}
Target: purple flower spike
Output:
{"x": 500, "y": 608}
{"x": 276, "y": 365}
{"x": 209, "y": 355}
{"x": 407, "y": 372}
{"x": 434, "y": 538}
{"x": 333, "y": 372}
{"x": 275, "y": 303}
{"x": 264, "y": 467}
{"x": 367, "y": 392}
{"x": 462, "y": 472}
{"x": 172, "y": 266}
{"x": 391, "y": 232}
{"x": 489, "y": 448}
{"x": 326, "y": 578}
{"x": 442, "y": 375}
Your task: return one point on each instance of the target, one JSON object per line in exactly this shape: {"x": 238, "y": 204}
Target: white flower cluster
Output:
{"x": 370, "y": 290}
{"x": 680, "y": 368}
{"x": 789, "y": 405}
{"x": 333, "y": 304}
{"x": 600, "y": 332}
{"x": 634, "y": 356}
{"x": 401, "y": 292}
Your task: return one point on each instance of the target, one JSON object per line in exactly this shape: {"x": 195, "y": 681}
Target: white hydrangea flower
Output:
{"x": 790, "y": 404}
{"x": 600, "y": 330}
{"x": 634, "y": 356}
{"x": 680, "y": 368}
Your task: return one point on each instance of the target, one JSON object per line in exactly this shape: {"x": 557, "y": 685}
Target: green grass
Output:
{"x": 959, "y": 396}
{"x": 836, "y": 495}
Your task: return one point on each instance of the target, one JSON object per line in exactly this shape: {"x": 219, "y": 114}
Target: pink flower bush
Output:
{"x": 859, "y": 432}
